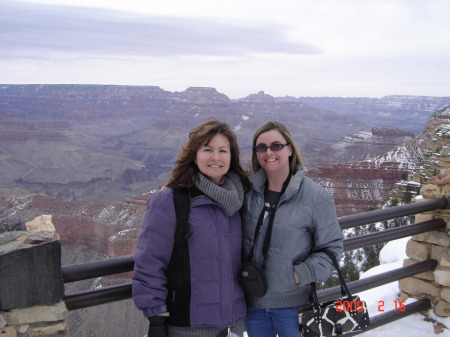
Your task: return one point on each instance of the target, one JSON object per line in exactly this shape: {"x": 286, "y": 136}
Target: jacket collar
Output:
{"x": 259, "y": 179}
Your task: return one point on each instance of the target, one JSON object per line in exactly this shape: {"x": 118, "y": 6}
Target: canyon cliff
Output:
{"x": 104, "y": 143}
{"x": 112, "y": 228}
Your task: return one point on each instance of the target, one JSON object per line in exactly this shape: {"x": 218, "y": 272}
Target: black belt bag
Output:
{"x": 253, "y": 279}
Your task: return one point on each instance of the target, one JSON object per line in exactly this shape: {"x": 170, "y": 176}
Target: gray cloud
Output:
{"x": 35, "y": 30}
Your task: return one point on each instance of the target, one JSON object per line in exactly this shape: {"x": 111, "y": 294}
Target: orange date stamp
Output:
{"x": 399, "y": 306}
{"x": 350, "y": 306}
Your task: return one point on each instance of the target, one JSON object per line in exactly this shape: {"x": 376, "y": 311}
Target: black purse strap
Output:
{"x": 182, "y": 202}
{"x": 344, "y": 288}
{"x": 270, "y": 225}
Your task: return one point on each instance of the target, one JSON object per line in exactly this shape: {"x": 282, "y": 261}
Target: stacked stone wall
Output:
{"x": 431, "y": 245}
{"x": 31, "y": 285}
{"x": 50, "y": 320}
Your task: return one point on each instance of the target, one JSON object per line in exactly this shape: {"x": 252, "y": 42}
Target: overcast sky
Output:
{"x": 348, "y": 48}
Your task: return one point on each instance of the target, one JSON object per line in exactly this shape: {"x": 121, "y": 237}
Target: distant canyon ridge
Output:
{"x": 105, "y": 143}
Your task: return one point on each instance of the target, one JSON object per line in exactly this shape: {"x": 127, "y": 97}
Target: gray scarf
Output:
{"x": 230, "y": 194}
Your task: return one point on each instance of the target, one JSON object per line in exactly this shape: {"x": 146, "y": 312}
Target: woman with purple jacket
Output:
{"x": 199, "y": 293}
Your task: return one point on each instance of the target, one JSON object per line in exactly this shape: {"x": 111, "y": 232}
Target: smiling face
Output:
{"x": 274, "y": 161}
{"x": 213, "y": 159}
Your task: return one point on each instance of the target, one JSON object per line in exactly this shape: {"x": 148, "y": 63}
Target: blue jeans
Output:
{"x": 263, "y": 322}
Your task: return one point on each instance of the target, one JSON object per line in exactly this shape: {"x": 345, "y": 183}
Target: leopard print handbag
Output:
{"x": 333, "y": 318}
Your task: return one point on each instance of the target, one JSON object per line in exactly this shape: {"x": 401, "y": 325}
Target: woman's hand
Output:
{"x": 297, "y": 279}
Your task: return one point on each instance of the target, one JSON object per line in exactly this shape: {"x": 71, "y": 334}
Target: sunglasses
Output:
{"x": 273, "y": 147}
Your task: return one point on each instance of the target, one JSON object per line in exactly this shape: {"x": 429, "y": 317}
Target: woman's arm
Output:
{"x": 154, "y": 249}
{"x": 326, "y": 233}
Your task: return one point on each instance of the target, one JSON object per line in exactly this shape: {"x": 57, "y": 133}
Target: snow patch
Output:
{"x": 120, "y": 234}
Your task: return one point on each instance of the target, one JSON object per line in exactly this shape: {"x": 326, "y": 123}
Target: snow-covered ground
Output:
{"x": 391, "y": 257}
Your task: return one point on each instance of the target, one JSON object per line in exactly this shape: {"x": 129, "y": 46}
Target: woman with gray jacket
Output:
{"x": 303, "y": 217}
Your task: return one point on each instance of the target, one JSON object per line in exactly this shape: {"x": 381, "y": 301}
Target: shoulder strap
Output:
{"x": 182, "y": 202}
{"x": 269, "y": 226}
{"x": 178, "y": 271}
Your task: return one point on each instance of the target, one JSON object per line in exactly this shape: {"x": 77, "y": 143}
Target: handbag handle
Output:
{"x": 344, "y": 288}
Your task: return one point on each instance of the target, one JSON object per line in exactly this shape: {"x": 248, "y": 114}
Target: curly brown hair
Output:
{"x": 185, "y": 170}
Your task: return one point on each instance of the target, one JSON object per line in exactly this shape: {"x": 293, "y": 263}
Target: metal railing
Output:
{"x": 354, "y": 220}
{"x": 122, "y": 264}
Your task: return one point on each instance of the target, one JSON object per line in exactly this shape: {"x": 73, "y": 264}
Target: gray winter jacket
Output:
{"x": 305, "y": 221}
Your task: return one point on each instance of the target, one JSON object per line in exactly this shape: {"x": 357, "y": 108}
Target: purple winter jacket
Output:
{"x": 216, "y": 297}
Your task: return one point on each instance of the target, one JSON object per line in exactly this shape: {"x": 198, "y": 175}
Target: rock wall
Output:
{"x": 49, "y": 321}
{"x": 31, "y": 285}
{"x": 358, "y": 187}
{"x": 435, "y": 176}
{"x": 435, "y": 245}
